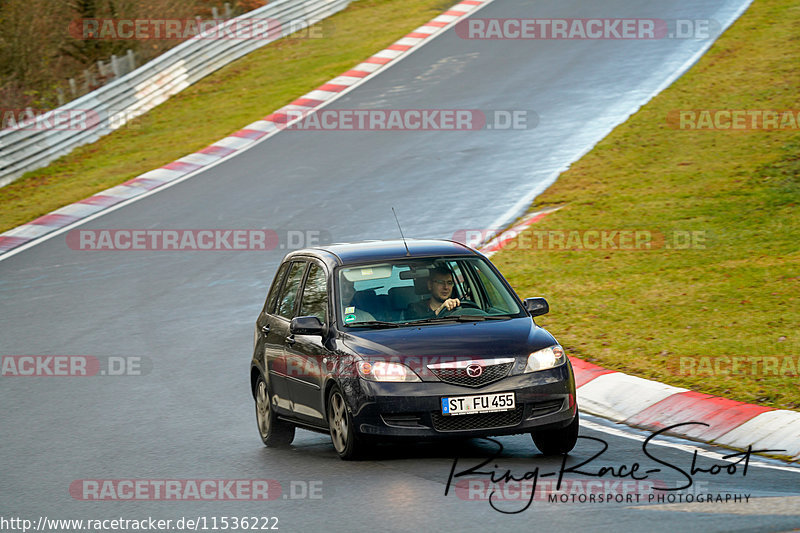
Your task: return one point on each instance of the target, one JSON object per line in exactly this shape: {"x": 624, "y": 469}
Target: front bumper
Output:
{"x": 544, "y": 400}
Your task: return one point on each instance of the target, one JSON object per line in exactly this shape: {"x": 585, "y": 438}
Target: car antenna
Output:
{"x": 401, "y": 232}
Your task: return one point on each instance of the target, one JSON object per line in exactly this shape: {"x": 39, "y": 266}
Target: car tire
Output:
{"x": 557, "y": 441}
{"x": 347, "y": 443}
{"x": 274, "y": 432}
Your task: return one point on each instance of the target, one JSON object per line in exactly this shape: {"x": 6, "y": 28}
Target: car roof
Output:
{"x": 359, "y": 252}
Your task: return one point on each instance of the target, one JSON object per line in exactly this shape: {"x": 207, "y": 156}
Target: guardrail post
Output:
{"x": 215, "y": 13}
{"x": 115, "y": 66}
{"x": 228, "y": 11}
{"x": 73, "y": 87}
{"x": 131, "y": 60}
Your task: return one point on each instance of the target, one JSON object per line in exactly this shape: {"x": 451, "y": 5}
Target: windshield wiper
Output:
{"x": 430, "y": 320}
{"x": 472, "y": 318}
{"x": 374, "y": 323}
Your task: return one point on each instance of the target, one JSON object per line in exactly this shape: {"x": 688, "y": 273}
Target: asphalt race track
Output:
{"x": 189, "y": 316}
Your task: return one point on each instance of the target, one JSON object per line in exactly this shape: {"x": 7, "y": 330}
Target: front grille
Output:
{"x": 458, "y": 376}
{"x": 477, "y": 421}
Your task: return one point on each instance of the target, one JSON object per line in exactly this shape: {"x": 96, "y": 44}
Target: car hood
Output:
{"x": 489, "y": 338}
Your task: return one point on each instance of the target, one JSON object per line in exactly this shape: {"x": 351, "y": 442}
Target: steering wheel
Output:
{"x": 468, "y": 303}
{"x": 462, "y": 309}
{"x": 458, "y": 311}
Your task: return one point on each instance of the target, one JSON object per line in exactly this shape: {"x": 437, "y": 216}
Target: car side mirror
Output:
{"x": 537, "y": 306}
{"x": 306, "y": 325}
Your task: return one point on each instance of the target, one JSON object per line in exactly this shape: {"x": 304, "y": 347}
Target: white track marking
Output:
{"x": 688, "y": 448}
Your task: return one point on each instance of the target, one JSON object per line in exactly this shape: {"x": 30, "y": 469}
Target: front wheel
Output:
{"x": 273, "y": 432}
{"x": 557, "y": 441}
{"x": 340, "y": 421}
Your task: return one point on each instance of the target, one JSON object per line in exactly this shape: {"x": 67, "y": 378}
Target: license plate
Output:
{"x": 478, "y": 403}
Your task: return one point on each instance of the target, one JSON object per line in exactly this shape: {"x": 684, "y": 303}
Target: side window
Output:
{"x": 315, "y": 294}
{"x": 495, "y": 295}
{"x": 290, "y": 288}
{"x": 276, "y": 288}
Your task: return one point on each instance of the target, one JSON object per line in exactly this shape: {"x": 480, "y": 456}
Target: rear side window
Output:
{"x": 290, "y": 288}
{"x": 315, "y": 294}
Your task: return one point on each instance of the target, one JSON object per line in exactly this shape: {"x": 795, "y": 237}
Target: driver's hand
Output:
{"x": 449, "y": 305}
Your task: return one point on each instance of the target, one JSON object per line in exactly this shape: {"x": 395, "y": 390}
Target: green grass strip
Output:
{"x": 734, "y": 291}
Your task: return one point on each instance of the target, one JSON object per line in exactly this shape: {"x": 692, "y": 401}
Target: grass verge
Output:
{"x": 673, "y": 314}
{"x": 241, "y": 93}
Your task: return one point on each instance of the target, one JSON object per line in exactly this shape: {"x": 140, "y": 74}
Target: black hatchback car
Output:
{"x": 418, "y": 339}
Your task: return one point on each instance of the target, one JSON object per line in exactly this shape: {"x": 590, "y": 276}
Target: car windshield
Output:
{"x": 393, "y": 293}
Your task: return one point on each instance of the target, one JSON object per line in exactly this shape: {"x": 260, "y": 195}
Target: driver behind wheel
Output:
{"x": 440, "y": 285}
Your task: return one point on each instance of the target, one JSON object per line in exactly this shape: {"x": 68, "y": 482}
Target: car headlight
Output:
{"x": 382, "y": 371}
{"x": 549, "y": 357}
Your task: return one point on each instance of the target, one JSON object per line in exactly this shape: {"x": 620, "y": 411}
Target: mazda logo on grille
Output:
{"x": 474, "y": 370}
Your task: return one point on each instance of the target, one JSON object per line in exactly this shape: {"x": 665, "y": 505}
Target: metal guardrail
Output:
{"x": 111, "y": 106}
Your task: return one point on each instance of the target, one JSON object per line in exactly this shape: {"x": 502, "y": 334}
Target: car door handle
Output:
{"x": 265, "y": 329}
{"x": 290, "y": 340}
